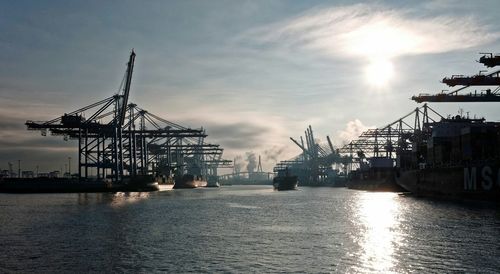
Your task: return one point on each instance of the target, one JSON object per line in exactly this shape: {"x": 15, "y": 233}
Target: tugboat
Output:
{"x": 285, "y": 181}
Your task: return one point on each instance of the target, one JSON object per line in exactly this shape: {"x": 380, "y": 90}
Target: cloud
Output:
{"x": 441, "y": 4}
{"x": 369, "y": 30}
{"x": 272, "y": 154}
{"x": 10, "y": 124}
{"x": 352, "y": 131}
{"x": 17, "y": 143}
{"x": 236, "y": 130}
{"x": 47, "y": 159}
{"x": 240, "y": 135}
{"x": 243, "y": 132}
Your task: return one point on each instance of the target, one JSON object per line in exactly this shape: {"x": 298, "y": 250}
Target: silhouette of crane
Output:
{"x": 489, "y": 79}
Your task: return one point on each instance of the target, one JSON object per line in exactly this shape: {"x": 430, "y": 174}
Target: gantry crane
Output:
{"x": 121, "y": 139}
{"x": 314, "y": 165}
{"x": 481, "y": 79}
{"x": 392, "y": 139}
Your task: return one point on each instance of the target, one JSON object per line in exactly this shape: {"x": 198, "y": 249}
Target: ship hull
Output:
{"x": 212, "y": 181}
{"x": 138, "y": 183}
{"x": 67, "y": 185}
{"x": 188, "y": 181}
{"x": 375, "y": 180}
{"x": 458, "y": 183}
{"x": 285, "y": 183}
{"x": 381, "y": 185}
{"x": 213, "y": 184}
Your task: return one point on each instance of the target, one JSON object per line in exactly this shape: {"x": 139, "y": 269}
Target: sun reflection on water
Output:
{"x": 115, "y": 200}
{"x": 120, "y": 199}
{"x": 378, "y": 221}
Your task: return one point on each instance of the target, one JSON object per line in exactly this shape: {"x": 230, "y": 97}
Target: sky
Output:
{"x": 252, "y": 73}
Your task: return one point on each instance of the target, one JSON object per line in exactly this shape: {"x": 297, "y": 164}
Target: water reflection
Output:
{"x": 377, "y": 216}
{"x": 116, "y": 200}
{"x": 120, "y": 199}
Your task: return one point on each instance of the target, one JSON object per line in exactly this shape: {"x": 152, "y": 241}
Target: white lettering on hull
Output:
{"x": 487, "y": 182}
{"x": 487, "y": 179}
{"x": 470, "y": 178}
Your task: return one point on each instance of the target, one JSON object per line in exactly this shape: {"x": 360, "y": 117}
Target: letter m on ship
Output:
{"x": 470, "y": 178}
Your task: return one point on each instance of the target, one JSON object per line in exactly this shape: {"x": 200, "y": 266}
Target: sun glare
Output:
{"x": 380, "y": 42}
{"x": 379, "y": 72}
{"x": 378, "y": 215}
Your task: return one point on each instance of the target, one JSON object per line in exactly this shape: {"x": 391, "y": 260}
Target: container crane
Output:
{"x": 490, "y": 79}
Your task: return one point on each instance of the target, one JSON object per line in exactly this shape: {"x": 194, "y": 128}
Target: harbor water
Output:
{"x": 246, "y": 229}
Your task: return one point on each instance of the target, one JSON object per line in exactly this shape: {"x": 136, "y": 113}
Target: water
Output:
{"x": 245, "y": 229}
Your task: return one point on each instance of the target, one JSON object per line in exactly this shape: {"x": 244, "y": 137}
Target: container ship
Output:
{"x": 457, "y": 157}
{"x": 285, "y": 181}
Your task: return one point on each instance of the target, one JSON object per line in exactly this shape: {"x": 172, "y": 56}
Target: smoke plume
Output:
{"x": 251, "y": 162}
{"x": 239, "y": 164}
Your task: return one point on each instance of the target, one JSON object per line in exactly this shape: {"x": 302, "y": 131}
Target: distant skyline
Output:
{"x": 252, "y": 73}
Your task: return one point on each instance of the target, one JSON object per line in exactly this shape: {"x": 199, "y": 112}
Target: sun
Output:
{"x": 380, "y": 42}
{"x": 379, "y": 72}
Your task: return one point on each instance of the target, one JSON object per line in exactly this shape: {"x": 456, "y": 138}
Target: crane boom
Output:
{"x": 490, "y": 79}
{"x": 126, "y": 89}
{"x": 301, "y": 147}
{"x": 330, "y": 144}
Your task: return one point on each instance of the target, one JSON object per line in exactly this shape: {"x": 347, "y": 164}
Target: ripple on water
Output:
{"x": 245, "y": 229}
